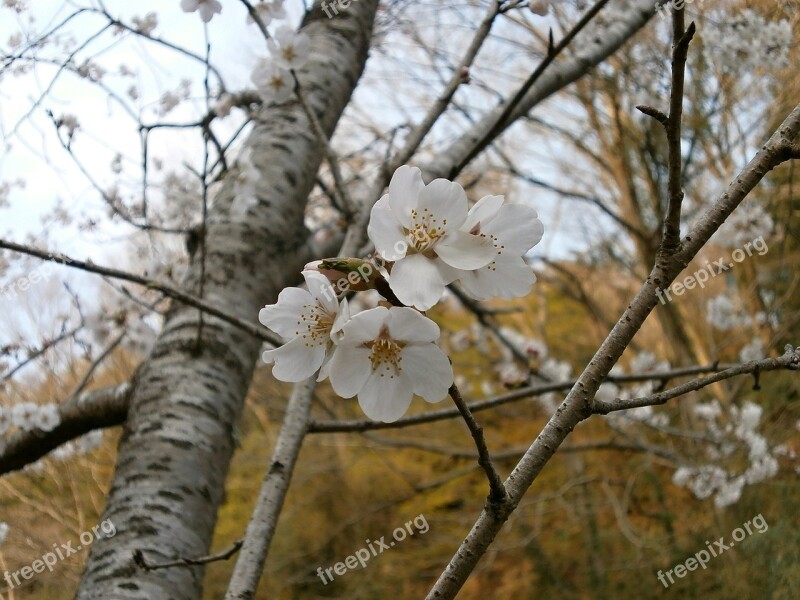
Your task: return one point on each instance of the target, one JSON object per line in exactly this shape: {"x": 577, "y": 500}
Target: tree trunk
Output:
{"x": 177, "y": 444}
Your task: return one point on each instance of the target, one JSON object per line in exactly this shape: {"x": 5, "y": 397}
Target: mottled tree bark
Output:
{"x": 187, "y": 397}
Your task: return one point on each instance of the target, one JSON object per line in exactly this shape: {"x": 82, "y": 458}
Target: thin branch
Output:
{"x": 519, "y": 394}
{"x": 790, "y": 360}
{"x": 175, "y": 294}
{"x": 672, "y": 223}
{"x": 261, "y": 527}
{"x": 497, "y": 491}
{"x": 142, "y": 563}
{"x": 503, "y": 120}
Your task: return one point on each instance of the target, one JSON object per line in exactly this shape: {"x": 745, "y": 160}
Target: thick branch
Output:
{"x": 92, "y": 410}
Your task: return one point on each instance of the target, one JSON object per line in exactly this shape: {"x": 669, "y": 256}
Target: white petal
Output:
{"x": 404, "y": 190}
{"x": 349, "y": 369}
{"x": 516, "y": 227}
{"x": 295, "y": 361}
{"x": 408, "y": 325}
{"x": 322, "y": 290}
{"x": 416, "y": 281}
{"x": 449, "y": 274}
{"x": 506, "y": 278}
{"x": 446, "y": 201}
{"x": 466, "y": 251}
{"x": 429, "y": 370}
{"x": 364, "y": 326}
{"x": 386, "y": 232}
{"x": 385, "y": 399}
{"x": 282, "y": 317}
{"x": 484, "y": 210}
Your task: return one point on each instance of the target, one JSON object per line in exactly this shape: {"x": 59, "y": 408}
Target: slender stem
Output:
{"x": 497, "y": 491}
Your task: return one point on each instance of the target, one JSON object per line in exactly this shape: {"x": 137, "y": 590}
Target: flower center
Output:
{"x": 385, "y": 356}
{"x": 315, "y": 325}
{"x": 425, "y": 232}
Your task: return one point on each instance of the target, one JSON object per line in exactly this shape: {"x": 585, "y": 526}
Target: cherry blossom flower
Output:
{"x": 24, "y": 415}
{"x": 386, "y": 356}
{"x": 289, "y": 49}
{"x": 48, "y": 417}
{"x": 418, "y": 227}
{"x": 513, "y": 229}
{"x": 268, "y": 11}
{"x": 305, "y": 318}
{"x": 274, "y": 85}
{"x": 206, "y": 8}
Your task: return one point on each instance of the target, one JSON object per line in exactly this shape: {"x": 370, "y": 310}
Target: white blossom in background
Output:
{"x": 511, "y": 374}
{"x": 722, "y": 313}
{"x": 48, "y": 417}
{"x": 386, "y": 356}
{"x": 306, "y": 319}
{"x": 90, "y": 441}
{"x": 274, "y": 85}
{"x": 268, "y": 11}
{"x": 289, "y": 49}
{"x": 752, "y": 351}
{"x": 417, "y": 227}
{"x": 749, "y": 222}
{"x": 513, "y": 229}
{"x": 726, "y": 485}
{"x": 68, "y": 122}
{"x": 64, "y": 451}
{"x": 206, "y": 8}
{"x": 532, "y": 347}
{"x": 746, "y": 42}
{"x": 145, "y": 25}
{"x": 25, "y": 415}
{"x": 4, "y": 529}
{"x": 170, "y": 100}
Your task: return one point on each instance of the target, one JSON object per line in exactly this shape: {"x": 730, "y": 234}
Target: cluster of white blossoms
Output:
{"x": 747, "y": 42}
{"x": 432, "y": 239}
{"x": 28, "y": 416}
{"x": 722, "y": 313}
{"x": 205, "y": 8}
{"x": 425, "y": 238}
{"x": 273, "y": 76}
{"x": 4, "y": 529}
{"x": 738, "y": 433}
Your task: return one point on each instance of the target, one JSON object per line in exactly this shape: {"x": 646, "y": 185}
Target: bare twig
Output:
{"x": 167, "y": 290}
{"x": 142, "y": 563}
{"x": 790, "y": 360}
{"x": 497, "y": 491}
